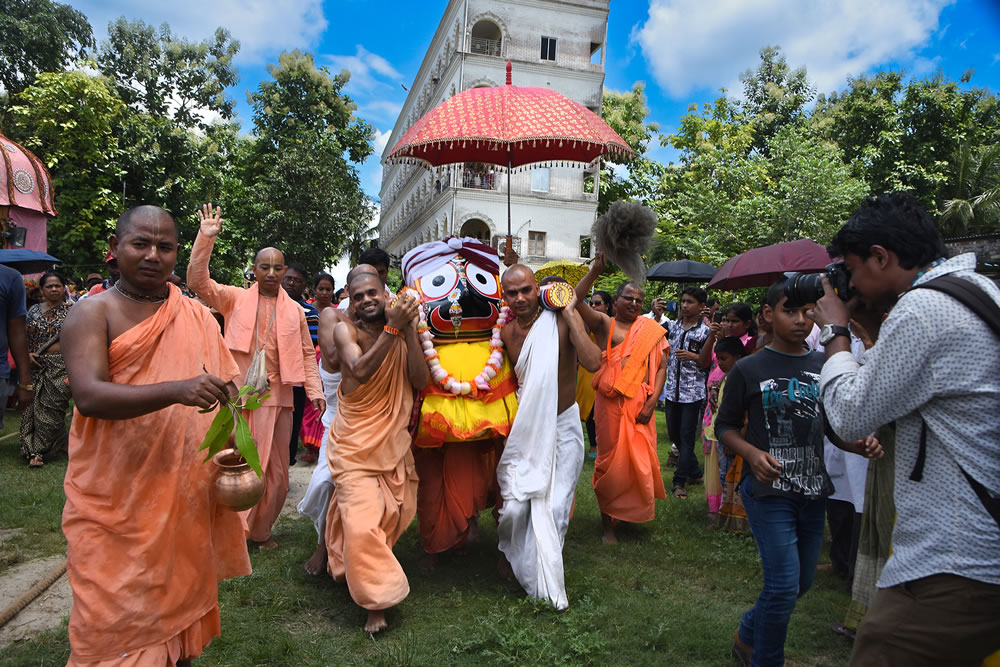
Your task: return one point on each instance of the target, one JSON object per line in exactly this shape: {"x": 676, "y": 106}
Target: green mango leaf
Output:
{"x": 244, "y": 390}
{"x": 246, "y": 445}
{"x": 221, "y": 427}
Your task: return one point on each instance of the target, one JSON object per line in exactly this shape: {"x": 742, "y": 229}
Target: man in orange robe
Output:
{"x": 146, "y": 542}
{"x": 262, "y": 317}
{"x": 375, "y": 484}
{"x": 633, "y": 368}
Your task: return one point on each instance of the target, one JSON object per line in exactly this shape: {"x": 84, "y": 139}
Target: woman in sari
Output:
{"x": 43, "y": 422}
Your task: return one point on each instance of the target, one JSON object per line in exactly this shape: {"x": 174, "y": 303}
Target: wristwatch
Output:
{"x": 831, "y": 331}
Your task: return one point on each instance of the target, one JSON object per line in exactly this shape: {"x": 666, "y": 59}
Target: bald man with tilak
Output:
{"x": 262, "y": 317}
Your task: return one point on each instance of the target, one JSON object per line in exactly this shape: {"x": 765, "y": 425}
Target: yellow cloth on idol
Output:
{"x": 446, "y": 417}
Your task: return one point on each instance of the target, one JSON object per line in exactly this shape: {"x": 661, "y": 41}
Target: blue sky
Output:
{"x": 685, "y": 50}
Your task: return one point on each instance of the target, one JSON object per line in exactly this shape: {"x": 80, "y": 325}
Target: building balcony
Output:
{"x": 485, "y": 47}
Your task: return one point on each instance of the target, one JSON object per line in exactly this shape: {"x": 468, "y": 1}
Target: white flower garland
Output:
{"x": 446, "y": 380}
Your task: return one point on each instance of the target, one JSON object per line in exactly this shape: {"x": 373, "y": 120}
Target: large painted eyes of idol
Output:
{"x": 439, "y": 283}
{"x": 483, "y": 281}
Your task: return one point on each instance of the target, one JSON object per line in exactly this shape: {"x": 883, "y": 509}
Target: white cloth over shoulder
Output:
{"x": 316, "y": 502}
{"x": 539, "y": 469}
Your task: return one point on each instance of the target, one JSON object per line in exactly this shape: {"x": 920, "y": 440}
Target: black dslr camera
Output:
{"x": 803, "y": 288}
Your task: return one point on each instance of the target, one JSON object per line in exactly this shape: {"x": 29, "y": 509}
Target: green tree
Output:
{"x": 975, "y": 203}
{"x": 304, "y": 194}
{"x": 171, "y": 87}
{"x": 774, "y": 96}
{"x": 168, "y": 77}
{"x": 898, "y": 136}
{"x": 626, "y": 114}
{"x": 39, "y": 36}
{"x": 69, "y": 120}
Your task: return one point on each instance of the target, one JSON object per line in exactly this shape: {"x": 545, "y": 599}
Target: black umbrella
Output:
{"x": 27, "y": 261}
{"x": 682, "y": 271}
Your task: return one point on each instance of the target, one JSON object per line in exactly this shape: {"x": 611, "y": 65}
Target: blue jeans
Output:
{"x": 789, "y": 534}
{"x": 682, "y": 426}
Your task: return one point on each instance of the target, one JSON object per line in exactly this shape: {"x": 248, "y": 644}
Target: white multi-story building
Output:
{"x": 557, "y": 44}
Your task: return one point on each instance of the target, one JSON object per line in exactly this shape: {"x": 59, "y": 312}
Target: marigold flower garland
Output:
{"x": 444, "y": 379}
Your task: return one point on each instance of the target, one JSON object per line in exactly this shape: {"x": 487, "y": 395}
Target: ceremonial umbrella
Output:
{"x": 27, "y": 261}
{"x": 509, "y": 126}
{"x": 572, "y": 271}
{"x": 760, "y": 267}
{"x": 681, "y": 271}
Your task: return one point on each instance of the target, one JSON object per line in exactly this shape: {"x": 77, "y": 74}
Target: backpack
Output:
{"x": 979, "y": 302}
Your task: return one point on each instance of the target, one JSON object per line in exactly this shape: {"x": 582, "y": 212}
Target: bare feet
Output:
{"x": 473, "y": 529}
{"x": 429, "y": 561}
{"x": 267, "y": 546}
{"x": 36, "y": 462}
{"x": 608, "y": 524}
{"x": 376, "y": 621}
{"x": 317, "y": 562}
{"x": 504, "y": 568}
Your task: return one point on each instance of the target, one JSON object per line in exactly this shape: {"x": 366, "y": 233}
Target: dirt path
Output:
{"x": 49, "y": 609}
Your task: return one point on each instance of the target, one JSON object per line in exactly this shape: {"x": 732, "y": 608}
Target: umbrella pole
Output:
{"x": 509, "y": 239}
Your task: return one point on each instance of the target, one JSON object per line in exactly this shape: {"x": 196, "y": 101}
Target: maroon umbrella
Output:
{"x": 760, "y": 267}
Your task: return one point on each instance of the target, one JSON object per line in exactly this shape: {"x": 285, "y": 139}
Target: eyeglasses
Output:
{"x": 632, "y": 299}
{"x": 597, "y": 303}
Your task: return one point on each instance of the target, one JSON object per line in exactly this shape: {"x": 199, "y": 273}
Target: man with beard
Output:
{"x": 316, "y": 502}
{"x": 541, "y": 461}
{"x": 374, "y": 499}
{"x": 146, "y": 542}
{"x": 627, "y": 476}
{"x": 262, "y": 320}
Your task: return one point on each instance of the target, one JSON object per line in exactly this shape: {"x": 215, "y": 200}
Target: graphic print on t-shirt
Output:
{"x": 792, "y": 415}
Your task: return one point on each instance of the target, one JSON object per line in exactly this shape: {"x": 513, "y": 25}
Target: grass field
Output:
{"x": 671, "y": 593}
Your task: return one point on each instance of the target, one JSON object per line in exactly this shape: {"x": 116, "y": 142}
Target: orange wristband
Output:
{"x": 391, "y": 330}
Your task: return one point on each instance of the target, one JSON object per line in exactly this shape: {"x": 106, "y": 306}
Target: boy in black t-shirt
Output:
{"x": 784, "y": 492}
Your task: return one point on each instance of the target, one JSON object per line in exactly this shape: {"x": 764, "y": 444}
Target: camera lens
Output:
{"x": 803, "y": 288}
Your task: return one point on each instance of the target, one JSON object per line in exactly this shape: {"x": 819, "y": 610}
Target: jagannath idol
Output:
{"x": 469, "y": 406}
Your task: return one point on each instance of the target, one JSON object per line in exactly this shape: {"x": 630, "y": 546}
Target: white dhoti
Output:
{"x": 539, "y": 469}
{"x": 316, "y": 502}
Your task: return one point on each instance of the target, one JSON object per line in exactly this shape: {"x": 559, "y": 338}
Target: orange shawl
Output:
{"x": 146, "y": 542}
{"x": 240, "y": 332}
{"x": 642, "y": 336}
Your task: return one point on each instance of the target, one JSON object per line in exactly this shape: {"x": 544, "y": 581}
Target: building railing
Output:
{"x": 486, "y": 47}
{"x": 479, "y": 179}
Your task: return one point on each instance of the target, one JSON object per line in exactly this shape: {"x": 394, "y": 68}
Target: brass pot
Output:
{"x": 237, "y": 486}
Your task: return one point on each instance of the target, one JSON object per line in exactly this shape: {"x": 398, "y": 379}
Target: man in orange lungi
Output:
{"x": 375, "y": 484}
{"x": 264, "y": 318}
{"x": 146, "y": 542}
{"x": 633, "y": 368}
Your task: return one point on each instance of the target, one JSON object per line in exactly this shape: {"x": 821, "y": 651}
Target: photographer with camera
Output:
{"x": 933, "y": 372}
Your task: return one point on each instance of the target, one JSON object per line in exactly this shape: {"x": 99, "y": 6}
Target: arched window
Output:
{"x": 486, "y": 38}
{"x": 476, "y": 229}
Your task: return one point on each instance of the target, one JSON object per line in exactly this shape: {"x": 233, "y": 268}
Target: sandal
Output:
{"x": 680, "y": 492}
{"x": 36, "y": 462}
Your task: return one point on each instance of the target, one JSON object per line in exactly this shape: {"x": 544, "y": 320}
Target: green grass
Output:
{"x": 31, "y": 502}
{"x": 671, "y": 593}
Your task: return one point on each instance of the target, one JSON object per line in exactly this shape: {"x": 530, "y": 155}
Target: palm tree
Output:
{"x": 975, "y": 179}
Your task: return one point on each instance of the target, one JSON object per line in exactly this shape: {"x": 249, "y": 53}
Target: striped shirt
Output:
{"x": 312, "y": 320}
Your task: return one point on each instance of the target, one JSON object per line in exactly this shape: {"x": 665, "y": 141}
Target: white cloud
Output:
{"x": 367, "y": 70}
{"x": 263, "y": 28}
{"x": 381, "y": 140}
{"x": 697, "y": 45}
{"x": 382, "y": 112}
